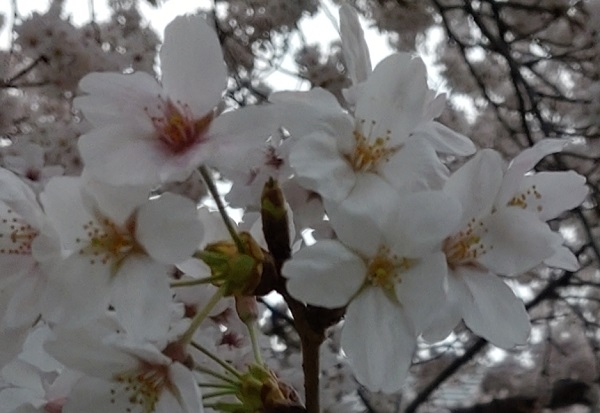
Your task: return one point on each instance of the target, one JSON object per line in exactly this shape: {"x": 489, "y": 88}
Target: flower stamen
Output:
{"x": 16, "y": 236}
{"x": 465, "y": 247}
{"x": 176, "y": 126}
{"x": 526, "y": 198}
{"x": 370, "y": 150}
{"x": 108, "y": 242}
{"x": 385, "y": 269}
{"x": 143, "y": 387}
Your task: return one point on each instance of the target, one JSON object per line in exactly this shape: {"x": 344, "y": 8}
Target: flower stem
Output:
{"x": 251, "y": 325}
{"x": 216, "y": 359}
{"x": 200, "y": 316}
{"x": 212, "y": 188}
{"x": 189, "y": 283}
{"x": 310, "y": 366}
{"x": 217, "y": 394}
{"x": 216, "y": 385}
{"x": 219, "y": 376}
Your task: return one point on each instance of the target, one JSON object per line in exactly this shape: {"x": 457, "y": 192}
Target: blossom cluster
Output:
{"x": 118, "y": 294}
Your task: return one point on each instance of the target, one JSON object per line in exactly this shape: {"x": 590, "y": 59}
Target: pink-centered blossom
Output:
{"x": 150, "y": 132}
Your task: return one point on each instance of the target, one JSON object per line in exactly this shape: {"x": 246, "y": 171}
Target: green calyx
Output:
{"x": 239, "y": 272}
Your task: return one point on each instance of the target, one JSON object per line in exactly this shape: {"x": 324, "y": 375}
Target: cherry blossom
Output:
{"x": 119, "y": 255}
{"x": 390, "y": 279}
{"x": 117, "y": 295}
{"x": 503, "y": 231}
{"x": 146, "y": 132}
{"x": 390, "y": 137}
{"x": 123, "y": 373}
{"x": 28, "y": 251}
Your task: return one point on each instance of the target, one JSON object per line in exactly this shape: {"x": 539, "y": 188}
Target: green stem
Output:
{"x": 217, "y": 394}
{"x": 217, "y": 386}
{"x": 199, "y": 317}
{"x": 254, "y": 340}
{"x": 222, "y": 406}
{"x": 189, "y": 283}
{"x": 212, "y": 188}
{"x": 219, "y": 376}
{"x": 216, "y": 359}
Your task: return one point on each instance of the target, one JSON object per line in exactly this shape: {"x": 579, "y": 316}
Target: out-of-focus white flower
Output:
{"x": 391, "y": 280}
{"x": 124, "y": 373}
{"x": 28, "y": 251}
{"x": 29, "y": 162}
{"x": 33, "y": 390}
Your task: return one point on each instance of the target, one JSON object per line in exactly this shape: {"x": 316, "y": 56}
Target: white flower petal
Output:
{"x": 193, "y": 71}
{"x": 558, "y": 192}
{"x": 11, "y": 342}
{"x": 79, "y": 287}
{"x": 421, "y": 289}
{"x": 63, "y": 204}
{"x": 494, "y": 312}
{"x": 11, "y": 398}
{"x": 415, "y": 167}
{"x": 84, "y": 350}
{"x": 526, "y": 160}
{"x": 122, "y": 155}
{"x": 141, "y": 298}
{"x": 23, "y": 308}
{"x": 421, "y": 222}
{"x": 303, "y": 113}
{"x": 444, "y": 140}
{"x": 233, "y": 135}
{"x": 321, "y": 168}
{"x": 185, "y": 389}
{"x": 20, "y": 198}
{"x": 354, "y": 46}
{"x": 523, "y": 163}
{"x": 25, "y": 375}
{"x": 516, "y": 241}
{"x": 117, "y": 98}
{"x": 92, "y": 395}
{"x": 477, "y": 183}
{"x": 358, "y": 220}
{"x": 394, "y": 96}
{"x": 116, "y": 202}
{"x": 449, "y": 312}
{"x": 169, "y": 228}
{"x": 326, "y": 274}
{"x": 563, "y": 258}
{"x": 378, "y": 341}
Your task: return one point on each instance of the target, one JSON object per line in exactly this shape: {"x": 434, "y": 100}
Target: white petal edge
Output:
{"x": 378, "y": 341}
{"x": 169, "y": 228}
{"x": 326, "y": 274}
{"x": 193, "y": 71}
{"x": 494, "y": 313}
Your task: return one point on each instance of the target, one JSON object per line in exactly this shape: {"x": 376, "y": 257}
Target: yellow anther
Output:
{"x": 369, "y": 150}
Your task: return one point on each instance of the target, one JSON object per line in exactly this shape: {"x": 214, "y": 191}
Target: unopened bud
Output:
{"x": 275, "y": 221}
